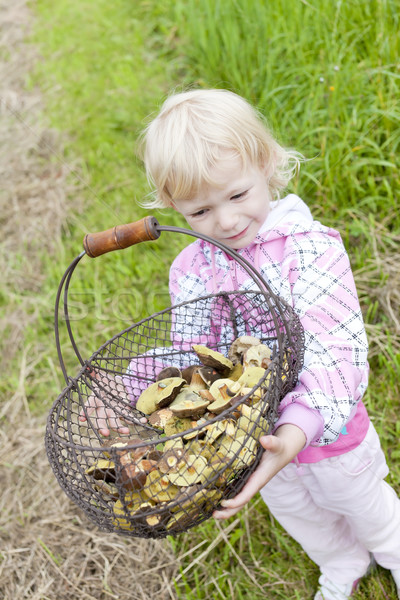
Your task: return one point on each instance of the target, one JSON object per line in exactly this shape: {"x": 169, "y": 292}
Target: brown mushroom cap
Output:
{"x": 168, "y": 372}
{"x": 188, "y": 372}
{"x": 171, "y": 460}
{"x": 159, "y": 394}
{"x": 131, "y": 477}
{"x": 212, "y": 358}
{"x": 102, "y": 469}
{"x": 208, "y": 374}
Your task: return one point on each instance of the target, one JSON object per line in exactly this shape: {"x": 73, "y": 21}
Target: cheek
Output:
{"x": 193, "y": 224}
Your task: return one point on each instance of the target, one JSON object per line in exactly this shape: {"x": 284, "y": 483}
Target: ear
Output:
{"x": 172, "y": 205}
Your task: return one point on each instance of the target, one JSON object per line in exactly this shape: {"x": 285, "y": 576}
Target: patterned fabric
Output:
{"x": 306, "y": 264}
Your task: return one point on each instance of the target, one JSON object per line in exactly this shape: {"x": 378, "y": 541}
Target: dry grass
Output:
{"x": 34, "y": 190}
{"x": 46, "y": 550}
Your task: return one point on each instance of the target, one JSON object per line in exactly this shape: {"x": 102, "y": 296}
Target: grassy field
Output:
{"x": 327, "y": 78}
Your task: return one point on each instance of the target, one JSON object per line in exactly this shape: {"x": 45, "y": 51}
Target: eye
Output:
{"x": 238, "y": 196}
{"x": 199, "y": 213}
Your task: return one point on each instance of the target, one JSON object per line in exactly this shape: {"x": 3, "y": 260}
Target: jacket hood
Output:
{"x": 287, "y": 216}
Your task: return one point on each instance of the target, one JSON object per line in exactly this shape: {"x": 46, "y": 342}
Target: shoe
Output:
{"x": 328, "y": 590}
{"x": 396, "y": 576}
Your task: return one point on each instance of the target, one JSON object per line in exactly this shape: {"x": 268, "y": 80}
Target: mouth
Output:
{"x": 239, "y": 235}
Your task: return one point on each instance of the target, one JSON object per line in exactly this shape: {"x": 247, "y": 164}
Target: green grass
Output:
{"x": 327, "y": 77}
{"x": 102, "y": 73}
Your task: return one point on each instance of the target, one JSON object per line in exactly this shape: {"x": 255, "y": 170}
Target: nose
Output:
{"x": 227, "y": 219}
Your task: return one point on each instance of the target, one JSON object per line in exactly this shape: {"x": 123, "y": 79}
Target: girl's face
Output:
{"x": 232, "y": 209}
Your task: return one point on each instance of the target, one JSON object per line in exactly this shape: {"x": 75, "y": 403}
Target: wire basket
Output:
{"x": 195, "y": 393}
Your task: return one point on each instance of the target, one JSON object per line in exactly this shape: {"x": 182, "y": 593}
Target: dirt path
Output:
{"x": 48, "y": 551}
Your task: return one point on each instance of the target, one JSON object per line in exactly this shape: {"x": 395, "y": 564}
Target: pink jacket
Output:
{"x": 306, "y": 264}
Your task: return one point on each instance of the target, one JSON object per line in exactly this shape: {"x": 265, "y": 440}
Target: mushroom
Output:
{"x": 257, "y": 356}
{"x": 158, "y": 487}
{"x": 131, "y": 477}
{"x": 176, "y": 444}
{"x": 197, "y": 381}
{"x": 245, "y": 452}
{"x": 236, "y": 372}
{"x": 159, "y": 417}
{"x": 169, "y": 372}
{"x": 208, "y": 374}
{"x": 189, "y": 404}
{"x": 159, "y": 394}
{"x": 206, "y": 395}
{"x": 194, "y": 497}
{"x": 191, "y": 472}
{"x": 146, "y": 465}
{"x": 240, "y": 449}
{"x": 171, "y": 459}
{"x": 218, "y": 470}
{"x": 188, "y": 372}
{"x": 133, "y": 506}
{"x": 220, "y": 390}
{"x": 109, "y": 489}
{"x": 201, "y": 448}
{"x": 251, "y": 376}
{"x": 252, "y": 422}
{"x": 239, "y": 347}
{"x": 212, "y": 358}
{"x": 102, "y": 469}
{"x": 118, "y": 442}
{"x": 183, "y": 519}
{"x": 214, "y": 430}
{"x": 177, "y": 425}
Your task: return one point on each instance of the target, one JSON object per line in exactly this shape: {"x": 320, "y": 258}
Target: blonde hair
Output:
{"x": 185, "y": 141}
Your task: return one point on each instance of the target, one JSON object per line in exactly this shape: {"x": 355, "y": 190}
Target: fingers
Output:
{"x": 263, "y": 473}
{"x": 89, "y": 408}
{"x": 104, "y": 418}
{"x": 114, "y": 421}
{"x": 232, "y": 506}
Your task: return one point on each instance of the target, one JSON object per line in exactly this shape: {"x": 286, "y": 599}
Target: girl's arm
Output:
{"x": 280, "y": 450}
{"x": 323, "y": 294}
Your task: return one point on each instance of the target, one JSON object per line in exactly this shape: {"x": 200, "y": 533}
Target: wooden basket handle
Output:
{"x": 121, "y": 236}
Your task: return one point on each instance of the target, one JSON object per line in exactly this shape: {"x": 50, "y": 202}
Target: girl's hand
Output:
{"x": 104, "y": 415}
{"x": 280, "y": 450}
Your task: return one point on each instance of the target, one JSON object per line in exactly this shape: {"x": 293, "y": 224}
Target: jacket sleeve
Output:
{"x": 335, "y": 372}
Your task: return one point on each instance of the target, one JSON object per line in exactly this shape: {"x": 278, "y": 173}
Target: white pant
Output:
{"x": 340, "y": 510}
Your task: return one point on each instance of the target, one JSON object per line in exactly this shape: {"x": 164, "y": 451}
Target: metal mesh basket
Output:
{"x": 174, "y": 468}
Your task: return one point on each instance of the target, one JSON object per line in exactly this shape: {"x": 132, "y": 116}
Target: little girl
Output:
{"x": 210, "y": 156}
